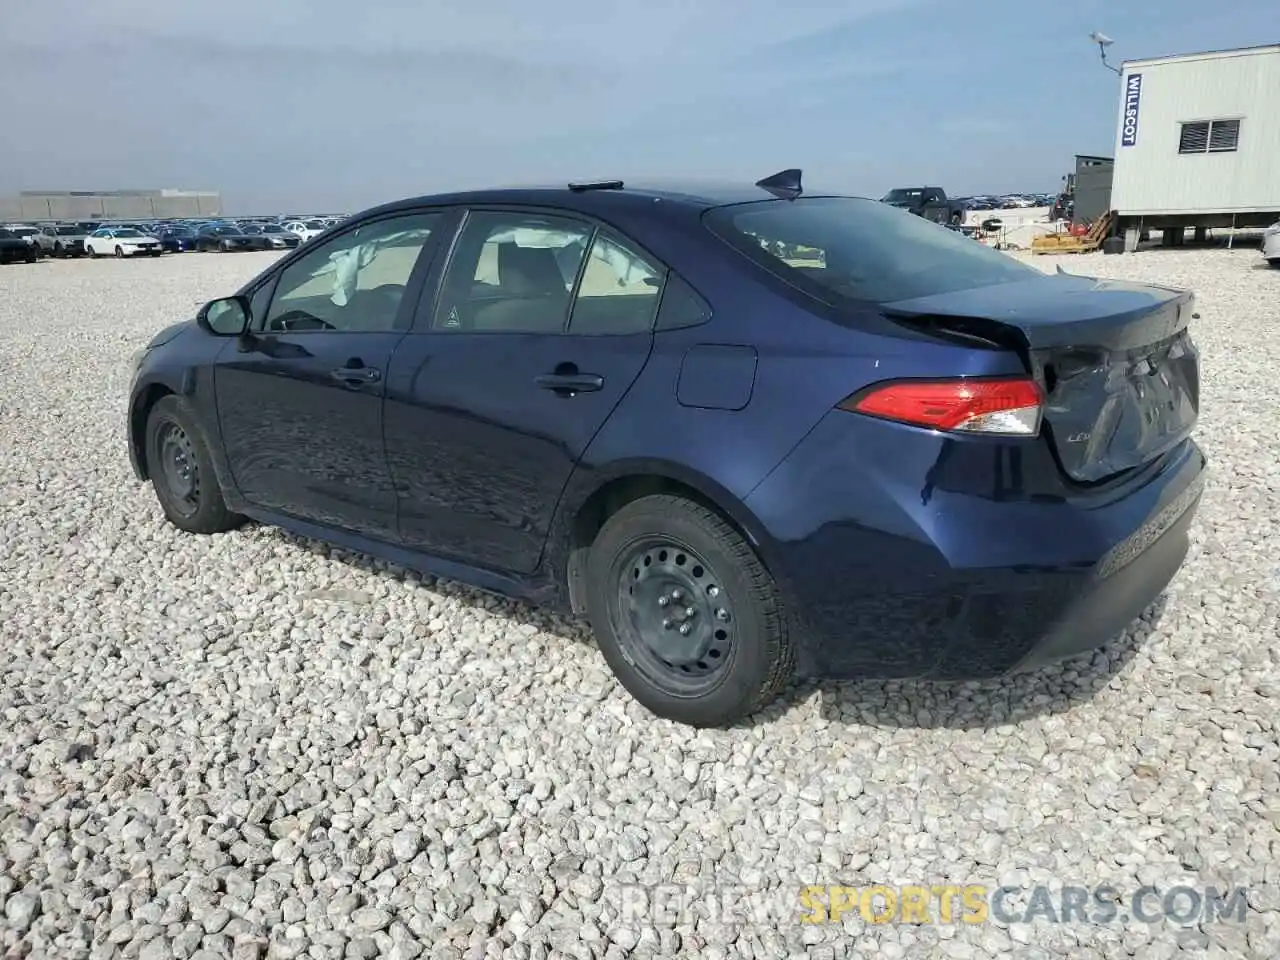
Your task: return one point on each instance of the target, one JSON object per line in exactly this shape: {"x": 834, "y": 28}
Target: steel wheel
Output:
{"x": 179, "y": 468}
{"x": 673, "y": 617}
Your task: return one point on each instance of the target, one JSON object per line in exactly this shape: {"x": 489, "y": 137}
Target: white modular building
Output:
{"x": 1198, "y": 140}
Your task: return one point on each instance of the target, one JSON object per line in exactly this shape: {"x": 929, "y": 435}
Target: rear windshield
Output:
{"x": 846, "y": 248}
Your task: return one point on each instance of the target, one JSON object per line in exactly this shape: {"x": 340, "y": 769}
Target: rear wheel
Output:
{"x": 182, "y": 470}
{"x": 685, "y": 613}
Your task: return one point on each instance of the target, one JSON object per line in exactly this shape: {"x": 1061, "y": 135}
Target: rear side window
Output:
{"x": 846, "y": 248}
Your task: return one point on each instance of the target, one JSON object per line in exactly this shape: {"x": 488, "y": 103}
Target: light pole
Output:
{"x": 1103, "y": 41}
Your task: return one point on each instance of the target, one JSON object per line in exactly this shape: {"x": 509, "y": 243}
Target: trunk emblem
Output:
{"x": 1079, "y": 437}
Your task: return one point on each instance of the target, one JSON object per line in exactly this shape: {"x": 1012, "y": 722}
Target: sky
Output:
{"x": 339, "y": 105}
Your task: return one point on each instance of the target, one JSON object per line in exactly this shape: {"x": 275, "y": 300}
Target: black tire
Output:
{"x": 957, "y": 218}
{"x": 93, "y": 254}
{"x": 173, "y": 430}
{"x": 119, "y": 253}
{"x": 734, "y": 665}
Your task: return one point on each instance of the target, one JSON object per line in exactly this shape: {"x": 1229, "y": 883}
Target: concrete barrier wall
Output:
{"x": 109, "y": 207}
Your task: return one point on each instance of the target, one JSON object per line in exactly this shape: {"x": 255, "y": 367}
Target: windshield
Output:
{"x": 127, "y": 233}
{"x": 24, "y": 231}
{"x": 315, "y": 225}
{"x": 902, "y": 196}
{"x": 178, "y": 231}
{"x": 69, "y": 231}
{"x": 844, "y": 248}
{"x": 226, "y": 231}
{"x": 6, "y": 234}
{"x": 272, "y": 228}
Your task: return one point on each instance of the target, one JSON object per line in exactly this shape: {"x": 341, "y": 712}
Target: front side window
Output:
{"x": 513, "y": 273}
{"x": 352, "y": 282}
{"x": 841, "y": 249}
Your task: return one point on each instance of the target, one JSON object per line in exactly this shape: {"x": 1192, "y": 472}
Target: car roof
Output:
{"x": 597, "y": 196}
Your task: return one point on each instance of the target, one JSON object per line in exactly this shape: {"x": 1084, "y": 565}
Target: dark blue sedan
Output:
{"x": 177, "y": 238}
{"x": 748, "y": 432}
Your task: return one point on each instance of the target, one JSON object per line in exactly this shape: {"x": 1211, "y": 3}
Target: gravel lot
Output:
{"x": 252, "y": 745}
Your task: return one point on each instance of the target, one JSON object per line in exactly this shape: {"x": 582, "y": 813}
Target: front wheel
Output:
{"x": 119, "y": 253}
{"x": 181, "y": 470}
{"x": 686, "y": 615}
{"x": 957, "y": 218}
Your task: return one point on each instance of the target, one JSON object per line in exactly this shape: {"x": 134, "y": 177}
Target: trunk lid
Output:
{"x": 1120, "y": 372}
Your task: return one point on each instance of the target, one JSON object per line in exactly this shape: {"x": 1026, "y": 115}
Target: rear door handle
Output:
{"x": 357, "y": 375}
{"x": 570, "y": 383}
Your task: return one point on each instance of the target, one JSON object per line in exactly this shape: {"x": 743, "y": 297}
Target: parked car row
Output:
{"x": 32, "y": 241}
{"x": 1009, "y": 201}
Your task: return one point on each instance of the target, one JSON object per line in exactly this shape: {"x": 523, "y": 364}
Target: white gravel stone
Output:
{"x": 252, "y": 745}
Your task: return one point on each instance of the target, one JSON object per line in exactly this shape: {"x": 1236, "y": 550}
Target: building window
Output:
{"x": 1210, "y": 136}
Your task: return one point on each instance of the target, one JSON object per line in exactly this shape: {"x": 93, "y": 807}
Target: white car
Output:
{"x": 306, "y": 229}
{"x": 1271, "y": 245}
{"x": 121, "y": 242}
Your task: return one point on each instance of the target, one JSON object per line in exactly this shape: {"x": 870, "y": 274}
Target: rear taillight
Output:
{"x": 1000, "y": 407}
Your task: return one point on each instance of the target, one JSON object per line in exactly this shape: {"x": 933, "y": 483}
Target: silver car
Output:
{"x": 63, "y": 239}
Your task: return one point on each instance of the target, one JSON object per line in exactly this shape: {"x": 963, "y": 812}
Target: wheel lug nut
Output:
{"x": 663, "y": 600}
{"x": 689, "y": 611}
{"x": 722, "y": 615}
{"x": 676, "y": 595}
{"x": 684, "y": 629}
{"x": 713, "y": 591}
{"x": 668, "y": 623}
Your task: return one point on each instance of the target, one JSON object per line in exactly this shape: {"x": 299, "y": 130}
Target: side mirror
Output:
{"x": 227, "y": 317}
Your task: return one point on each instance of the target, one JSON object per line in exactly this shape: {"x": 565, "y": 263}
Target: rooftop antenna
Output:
{"x": 1103, "y": 41}
{"x": 785, "y": 184}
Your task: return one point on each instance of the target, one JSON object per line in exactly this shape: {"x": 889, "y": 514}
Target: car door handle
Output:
{"x": 357, "y": 375}
{"x": 570, "y": 383}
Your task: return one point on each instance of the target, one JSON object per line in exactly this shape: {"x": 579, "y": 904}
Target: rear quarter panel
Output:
{"x": 805, "y": 365}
